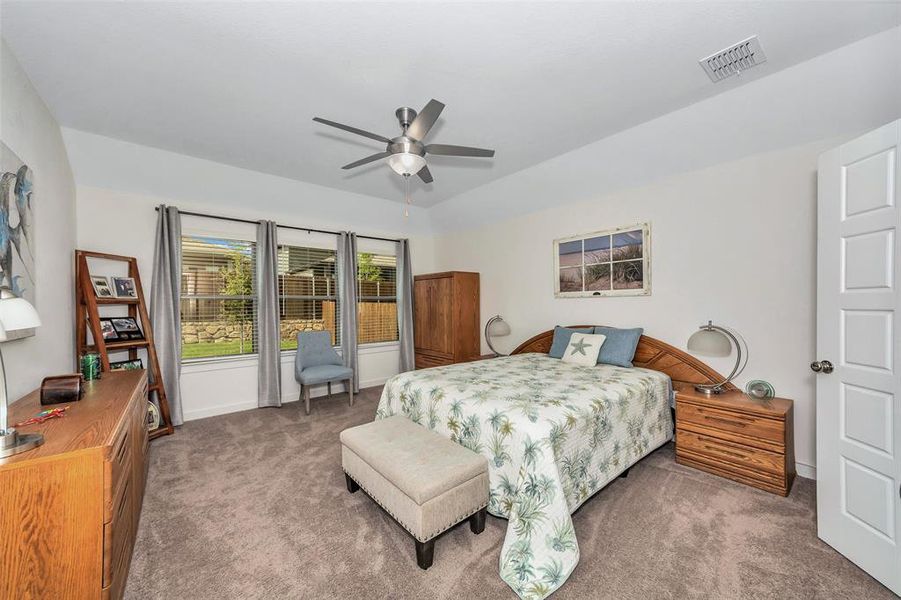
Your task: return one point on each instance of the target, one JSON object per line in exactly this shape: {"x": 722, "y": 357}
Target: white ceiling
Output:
{"x": 239, "y": 82}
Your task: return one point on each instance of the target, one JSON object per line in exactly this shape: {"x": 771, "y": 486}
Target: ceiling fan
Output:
{"x": 406, "y": 152}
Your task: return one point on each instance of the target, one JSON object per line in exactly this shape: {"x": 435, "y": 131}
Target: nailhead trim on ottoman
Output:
{"x": 426, "y": 482}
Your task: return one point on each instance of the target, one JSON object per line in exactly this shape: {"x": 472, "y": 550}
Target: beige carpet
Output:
{"x": 253, "y": 505}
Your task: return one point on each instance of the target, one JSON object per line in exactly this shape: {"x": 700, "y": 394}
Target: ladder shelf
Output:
{"x": 87, "y": 317}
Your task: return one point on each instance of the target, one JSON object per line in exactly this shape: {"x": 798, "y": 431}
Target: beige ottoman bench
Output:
{"x": 425, "y": 481}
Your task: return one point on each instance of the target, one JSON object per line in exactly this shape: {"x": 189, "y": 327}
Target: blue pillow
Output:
{"x": 619, "y": 347}
{"x": 561, "y": 339}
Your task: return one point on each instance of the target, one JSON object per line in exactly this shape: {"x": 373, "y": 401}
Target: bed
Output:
{"x": 554, "y": 434}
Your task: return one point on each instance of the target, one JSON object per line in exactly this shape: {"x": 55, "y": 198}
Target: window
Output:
{"x": 308, "y": 299}
{"x": 217, "y": 297}
{"x": 218, "y": 316}
{"x": 376, "y": 298}
{"x": 616, "y": 262}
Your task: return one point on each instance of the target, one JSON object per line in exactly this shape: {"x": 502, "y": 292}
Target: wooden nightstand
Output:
{"x": 738, "y": 437}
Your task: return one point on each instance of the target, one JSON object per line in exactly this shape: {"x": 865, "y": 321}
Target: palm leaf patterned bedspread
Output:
{"x": 554, "y": 434}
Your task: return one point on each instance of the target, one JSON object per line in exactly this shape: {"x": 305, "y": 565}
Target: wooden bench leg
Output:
{"x": 350, "y": 390}
{"x": 477, "y": 521}
{"x": 352, "y": 485}
{"x": 625, "y": 473}
{"x": 425, "y": 553}
{"x": 306, "y": 397}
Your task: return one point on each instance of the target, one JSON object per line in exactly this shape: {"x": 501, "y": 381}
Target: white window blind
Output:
{"x": 218, "y": 285}
{"x": 308, "y": 299}
{"x": 376, "y": 298}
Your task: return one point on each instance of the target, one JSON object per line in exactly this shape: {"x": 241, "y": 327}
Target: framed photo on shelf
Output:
{"x": 127, "y": 328}
{"x": 127, "y": 365}
{"x": 124, "y": 287}
{"x": 101, "y": 285}
{"x": 108, "y": 331}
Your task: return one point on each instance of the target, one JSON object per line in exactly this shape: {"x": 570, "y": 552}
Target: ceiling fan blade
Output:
{"x": 368, "y": 159}
{"x": 370, "y": 135}
{"x": 449, "y": 150}
{"x": 425, "y": 119}
{"x": 425, "y": 174}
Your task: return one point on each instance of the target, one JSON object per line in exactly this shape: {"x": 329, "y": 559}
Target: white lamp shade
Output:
{"x": 710, "y": 342}
{"x": 498, "y": 328}
{"x": 15, "y": 314}
{"x": 406, "y": 163}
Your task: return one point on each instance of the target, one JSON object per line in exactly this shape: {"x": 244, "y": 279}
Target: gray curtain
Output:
{"x": 165, "y": 313}
{"x": 347, "y": 300}
{"x": 405, "y": 305}
{"x": 269, "y": 381}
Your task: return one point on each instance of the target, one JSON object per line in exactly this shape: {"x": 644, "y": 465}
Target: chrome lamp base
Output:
{"x": 709, "y": 390}
{"x": 11, "y": 442}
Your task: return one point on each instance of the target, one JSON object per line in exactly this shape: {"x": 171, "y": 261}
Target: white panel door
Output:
{"x": 858, "y": 349}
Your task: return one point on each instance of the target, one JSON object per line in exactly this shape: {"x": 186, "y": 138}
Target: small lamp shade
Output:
{"x": 15, "y": 314}
{"x": 710, "y": 342}
{"x": 498, "y": 328}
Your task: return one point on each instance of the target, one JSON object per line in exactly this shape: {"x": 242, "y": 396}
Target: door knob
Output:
{"x": 822, "y": 365}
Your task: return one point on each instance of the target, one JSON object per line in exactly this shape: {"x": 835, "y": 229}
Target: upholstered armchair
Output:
{"x": 317, "y": 362}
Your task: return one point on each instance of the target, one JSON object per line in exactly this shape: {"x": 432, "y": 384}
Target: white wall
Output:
{"x": 733, "y": 243}
{"x": 29, "y": 130}
{"x": 120, "y": 183}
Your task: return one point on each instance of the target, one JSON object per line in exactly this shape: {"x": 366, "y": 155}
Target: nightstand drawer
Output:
{"x": 753, "y": 459}
{"x": 758, "y": 479}
{"x": 734, "y": 422}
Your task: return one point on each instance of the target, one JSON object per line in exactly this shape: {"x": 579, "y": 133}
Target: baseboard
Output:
{"x": 805, "y": 471}
{"x": 337, "y": 388}
{"x": 221, "y": 409}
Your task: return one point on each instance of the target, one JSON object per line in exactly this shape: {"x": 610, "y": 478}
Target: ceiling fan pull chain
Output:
{"x": 407, "y": 200}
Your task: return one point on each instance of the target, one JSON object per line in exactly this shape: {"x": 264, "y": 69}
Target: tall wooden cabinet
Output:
{"x": 446, "y": 318}
{"x": 69, "y": 509}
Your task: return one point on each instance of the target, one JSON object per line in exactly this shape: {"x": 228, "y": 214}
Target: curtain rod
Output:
{"x": 307, "y": 229}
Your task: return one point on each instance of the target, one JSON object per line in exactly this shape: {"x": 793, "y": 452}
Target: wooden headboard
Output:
{"x": 651, "y": 354}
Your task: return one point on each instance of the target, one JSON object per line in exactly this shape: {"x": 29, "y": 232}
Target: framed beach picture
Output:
{"x": 611, "y": 262}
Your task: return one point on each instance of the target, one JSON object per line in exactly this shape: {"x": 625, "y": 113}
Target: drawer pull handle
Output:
{"x": 726, "y": 421}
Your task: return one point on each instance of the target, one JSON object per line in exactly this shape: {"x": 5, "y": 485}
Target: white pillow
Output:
{"x": 583, "y": 349}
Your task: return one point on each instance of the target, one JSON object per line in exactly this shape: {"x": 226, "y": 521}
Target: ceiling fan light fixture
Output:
{"x": 406, "y": 163}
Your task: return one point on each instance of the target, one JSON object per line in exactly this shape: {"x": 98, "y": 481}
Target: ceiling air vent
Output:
{"x": 734, "y": 59}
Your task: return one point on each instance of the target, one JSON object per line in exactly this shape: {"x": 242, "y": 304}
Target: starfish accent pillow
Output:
{"x": 583, "y": 349}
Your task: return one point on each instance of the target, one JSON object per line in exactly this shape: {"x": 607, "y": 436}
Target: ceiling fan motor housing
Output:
{"x": 405, "y": 116}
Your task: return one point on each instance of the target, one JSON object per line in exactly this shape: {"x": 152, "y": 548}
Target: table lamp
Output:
{"x": 496, "y": 327}
{"x": 15, "y": 314}
{"x": 713, "y": 340}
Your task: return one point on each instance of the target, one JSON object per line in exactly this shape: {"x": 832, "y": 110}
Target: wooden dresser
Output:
{"x": 738, "y": 437}
{"x": 446, "y": 318}
{"x": 69, "y": 509}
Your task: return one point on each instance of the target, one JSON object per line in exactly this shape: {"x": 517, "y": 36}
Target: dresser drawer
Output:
{"x": 114, "y": 586}
{"x": 117, "y": 533}
{"x": 750, "y": 458}
{"x": 424, "y": 361}
{"x": 119, "y": 466}
{"x": 733, "y": 422}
